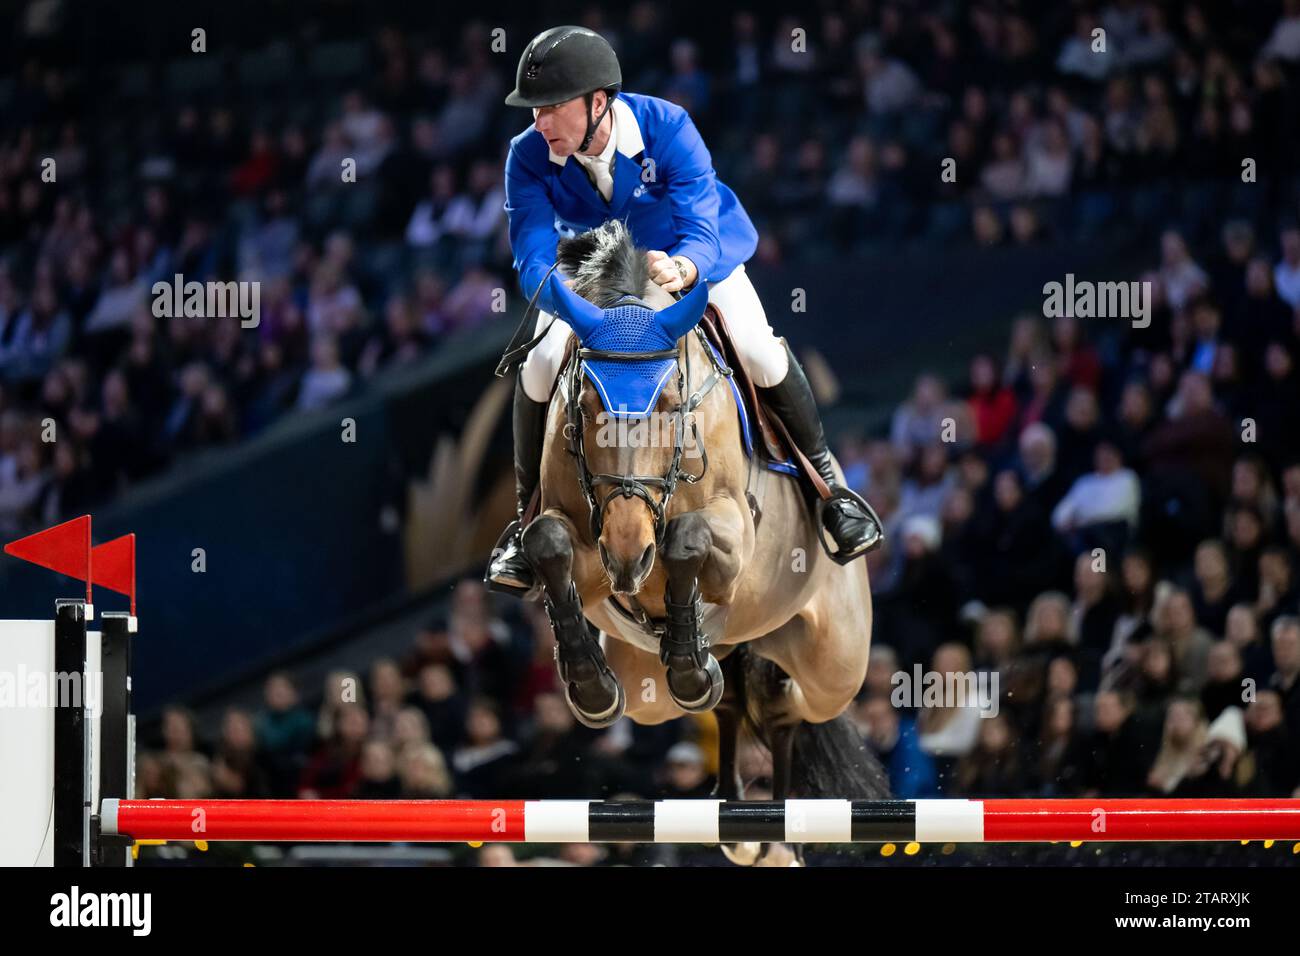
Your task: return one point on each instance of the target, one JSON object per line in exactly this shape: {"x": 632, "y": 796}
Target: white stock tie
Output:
{"x": 600, "y": 170}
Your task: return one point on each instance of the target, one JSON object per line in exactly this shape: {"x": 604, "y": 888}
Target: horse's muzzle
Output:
{"x": 627, "y": 575}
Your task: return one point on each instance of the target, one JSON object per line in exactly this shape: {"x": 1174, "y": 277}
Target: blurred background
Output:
{"x": 315, "y": 497}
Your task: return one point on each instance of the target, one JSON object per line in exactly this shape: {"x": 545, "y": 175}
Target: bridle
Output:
{"x": 631, "y": 485}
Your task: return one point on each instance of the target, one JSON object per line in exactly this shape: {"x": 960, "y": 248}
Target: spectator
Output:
{"x": 889, "y": 86}
{"x": 1049, "y": 162}
{"x": 1218, "y": 770}
{"x": 334, "y": 770}
{"x": 487, "y": 757}
{"x": 1094, "y": 616}
{"x": 1080, "y": 56}
{"x": 1181, "y": 278}
{"x": 1111, "y": 761}
{"x": 1244, "y": 633}
{"x": 1079, "y": 433}
{"x": 379, "y": 779}
{"x": 423, "y": 773}
{"x": 686, "y": 775}
{"x": 925, "y": 491}
{"x": 1055, "y": 743}
{"x": 992, "y": 405}
{"x": 993, "y": 767}
{"x": 1225, "y": 683}
{"x": 1284, "y": 42}
{"x": 1101, "y": 507}
{"x": 924, "y": 604}
{"x": 1184, "y": 737}
{"x": 1214, "y": 592}
{"x": 238, "y": 769}
{"x": 949, "y": 732}
{"x": 1004, "y": 176}
{"x": 1285, "y": 636}
{"x": 187, "y": 768}
{"x": 893, "y": 736}
{"x": 387, "y": 696}
{"x": 41, "y": 335}
{"x": 1272, "y": 745}
{"x": 426, "y": 226}
{"x": 1175, "y": 621}
{"x": 919, "y": 422}
{"x": 1278, "y": 591}
{"x": 284, "y": 733}
{"x": 327, "y": 380}
{"x": 1018, "y": 546}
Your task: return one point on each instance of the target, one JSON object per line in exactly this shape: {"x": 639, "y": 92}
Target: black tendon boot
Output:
{"x": 509, "y": 571}
{"x": 846, "y": 515}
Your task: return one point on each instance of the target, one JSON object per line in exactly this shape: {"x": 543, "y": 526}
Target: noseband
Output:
{"x": 631, "y": 485}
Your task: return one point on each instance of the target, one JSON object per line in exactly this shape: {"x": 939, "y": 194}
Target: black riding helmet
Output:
{"x": 562, "y": 63}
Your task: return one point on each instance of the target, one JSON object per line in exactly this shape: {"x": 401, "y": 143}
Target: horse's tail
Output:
{"x": 830, "y": 759}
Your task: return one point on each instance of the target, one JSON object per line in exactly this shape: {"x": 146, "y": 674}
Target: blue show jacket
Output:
{"x": 680, "y": 208}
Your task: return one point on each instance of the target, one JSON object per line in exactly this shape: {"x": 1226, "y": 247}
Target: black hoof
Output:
{"x": 597, "y": 718}
{"x": 704, "y": 690}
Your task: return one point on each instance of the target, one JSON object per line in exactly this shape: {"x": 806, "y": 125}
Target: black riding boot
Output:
{"x": 509, "y": 571}
{"x": 850, "y": 520}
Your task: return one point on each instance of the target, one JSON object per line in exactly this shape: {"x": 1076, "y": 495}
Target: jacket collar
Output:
{"x": 627, "y": 134}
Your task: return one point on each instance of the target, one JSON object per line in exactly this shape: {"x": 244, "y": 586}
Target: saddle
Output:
{"x": 777, "y": 444}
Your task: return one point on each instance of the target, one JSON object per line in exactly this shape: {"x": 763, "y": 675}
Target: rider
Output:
{"x": 640, "y": 159}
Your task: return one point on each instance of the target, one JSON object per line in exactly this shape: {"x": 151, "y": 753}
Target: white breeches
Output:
{"x": 760, "y": 352}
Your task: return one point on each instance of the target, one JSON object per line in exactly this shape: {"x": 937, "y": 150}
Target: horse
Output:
{"x": 680, "y": 575}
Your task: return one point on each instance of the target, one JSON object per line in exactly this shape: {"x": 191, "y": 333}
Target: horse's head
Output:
{"x": 628, "y": 449}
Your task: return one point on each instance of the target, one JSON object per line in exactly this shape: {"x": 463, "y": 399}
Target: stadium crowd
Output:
{"x": 1115, "y": 533}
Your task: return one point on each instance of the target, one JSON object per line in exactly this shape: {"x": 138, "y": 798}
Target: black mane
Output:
{"x": 605, "y": 264}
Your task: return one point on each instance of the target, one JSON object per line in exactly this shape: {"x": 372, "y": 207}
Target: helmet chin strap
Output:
{"x": 593, "y": 125}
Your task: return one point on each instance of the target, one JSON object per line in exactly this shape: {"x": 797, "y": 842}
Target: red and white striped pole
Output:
{"x": 702, "y": 821}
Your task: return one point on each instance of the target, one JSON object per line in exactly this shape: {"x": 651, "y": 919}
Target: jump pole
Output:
{"x": 702, "y": 821}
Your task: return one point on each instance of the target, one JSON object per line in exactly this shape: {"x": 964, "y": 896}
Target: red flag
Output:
{"x": 64, "y": 548}
{"x": 115, "y": 566}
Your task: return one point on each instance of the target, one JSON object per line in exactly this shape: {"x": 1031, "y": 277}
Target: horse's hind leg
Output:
{"x": 730, "y": 717}
{"x": 594, "y": 694}
{"x": 694, "y": 676}
{"x": 782, "y": 741}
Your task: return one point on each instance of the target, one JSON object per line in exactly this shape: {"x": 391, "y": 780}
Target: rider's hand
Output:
{"x": 665, "y": 272}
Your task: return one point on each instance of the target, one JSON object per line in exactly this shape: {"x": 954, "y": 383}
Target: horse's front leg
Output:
{"x": 694, "y": 678}
{"x": 594, "y": 694}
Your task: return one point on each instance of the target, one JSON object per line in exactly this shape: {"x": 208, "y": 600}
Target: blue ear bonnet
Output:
{"x": 628, "y": 389}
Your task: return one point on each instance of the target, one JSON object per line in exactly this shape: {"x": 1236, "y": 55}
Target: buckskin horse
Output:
{"x": 690, "y": 551}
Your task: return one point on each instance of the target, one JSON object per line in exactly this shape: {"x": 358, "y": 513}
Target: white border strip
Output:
{"x": 687, "y": 821}
{"x": 819, "y": 821}
{"x": 949, "y": 821}
{"x": 556, "y": 821}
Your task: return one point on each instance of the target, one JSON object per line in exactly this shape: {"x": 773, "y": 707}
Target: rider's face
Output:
{"x": 565, "y": 124}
